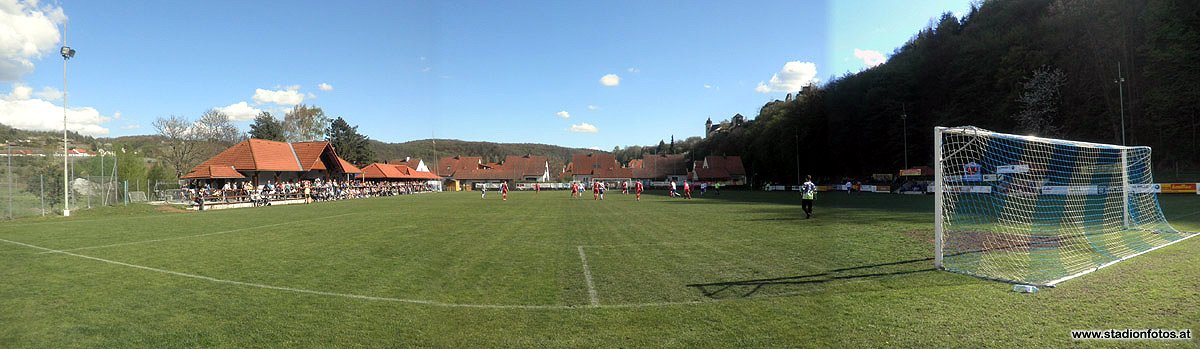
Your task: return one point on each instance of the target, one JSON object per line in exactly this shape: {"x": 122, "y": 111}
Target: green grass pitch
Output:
{"x": 451, "y": 270}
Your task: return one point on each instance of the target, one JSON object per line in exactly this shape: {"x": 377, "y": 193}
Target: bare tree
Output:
{"x": 182, "y": 142}
{"x": 1040, "y": 101}
{"x": 215, "y": 126}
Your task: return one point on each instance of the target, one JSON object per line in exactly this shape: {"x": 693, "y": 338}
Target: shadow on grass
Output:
{"x": 749, "y": 288}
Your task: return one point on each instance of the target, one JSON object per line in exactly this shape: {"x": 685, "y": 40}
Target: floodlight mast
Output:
{"x": 67, "y": 53}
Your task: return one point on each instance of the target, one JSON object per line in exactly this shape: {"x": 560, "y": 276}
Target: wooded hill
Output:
{"x": 1044, "y": 67}
{"x": 491, "y": 152}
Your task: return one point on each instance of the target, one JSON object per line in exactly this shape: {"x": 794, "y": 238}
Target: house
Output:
{"x": 262, "y": 160}
{"x": 412, "y": 163}
{"x": 661, "y": 167}
{"x": 597, "y": 167}
{"x": 396, "y": 172}
{"x": 528, "y": 168}
{"x": 723, "y": 169}
{"x": 448, "y": 166}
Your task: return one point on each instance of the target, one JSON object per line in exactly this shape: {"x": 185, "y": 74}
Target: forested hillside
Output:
{"x": 430, "y": 150}
{"x": 1043, "y": 67}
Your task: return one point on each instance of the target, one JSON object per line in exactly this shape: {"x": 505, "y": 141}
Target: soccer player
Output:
{"x": 482, "y": 191}
{"x": 672, "y": 193}
{"x": 637, "y": 187}
{"x": 574, "y": 190}
{"x": 537, "y": 188}
{"x": 687, "y": 190}
{"x": 625, "y": 187}
{"x": 504, "y": 191}
{"x": 595, "y": 190}
{"x": 603, "y": 187}
{"x": 808, "y": 192}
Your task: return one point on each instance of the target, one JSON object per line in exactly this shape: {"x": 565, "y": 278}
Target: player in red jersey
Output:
{"x": 687, "y": 190}
{"x": 504, "y": 190}
{"x": 637, "y": 187}
{"x": 574, "y": 189}
{"x": 625, "y": 187}
{"x": 595, "y": 190}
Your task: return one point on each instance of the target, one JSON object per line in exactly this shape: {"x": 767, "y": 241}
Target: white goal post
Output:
{"x": 1041, "y": 211}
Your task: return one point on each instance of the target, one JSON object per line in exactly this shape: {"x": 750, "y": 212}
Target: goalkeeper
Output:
{"x": 808, "y": 192}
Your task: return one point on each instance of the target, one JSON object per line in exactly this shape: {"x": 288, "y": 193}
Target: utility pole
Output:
{"x": 798, "y": 182}
{"x": 1120, "y": 80}
{"x": 904, "y": 121}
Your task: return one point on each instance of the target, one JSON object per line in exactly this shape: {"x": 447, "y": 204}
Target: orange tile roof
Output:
{"x": 309, "y": 154}
{"x": 347, "y": 167}
{"x": 660, "y": 166}
{"x": 391, "y": 171}
{"x": 447, "y": 166}
{"x": 598, "y": 166}
{"x": 213, "y": 172}
{"x": 265, "y": 155}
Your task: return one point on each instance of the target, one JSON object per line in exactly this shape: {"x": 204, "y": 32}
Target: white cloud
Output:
{"x": 240, "y": 111}
{"x": 27, "y": 32}
{"x": 48, "y": 93}
{"x": 289, "y": 96}
{"x": 596, "y": 148}
{"x": 869, "y": 57}
{"x": 325, "y": 87}
{"x": 563, "y": 114}
{"x": 707, "y": 86}
{"x": 116, "y": 115}
{"x": 634, "y": 70}
{"x": 18, "y": 110}
{"x": 792, "y": 77}
{"x": 584, "y": 128}
{"x": 310, "y": 95}
{"x": 610, "y": 80}
{"x": 131, "y": 127}
{"x": 593, "y": 107}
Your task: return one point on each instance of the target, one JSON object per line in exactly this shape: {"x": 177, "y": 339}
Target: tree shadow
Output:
{"x": 749, "y": 288}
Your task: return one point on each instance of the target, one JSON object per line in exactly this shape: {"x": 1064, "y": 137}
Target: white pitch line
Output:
{"x": 197, "y": 235}
{"x": 587, "y": 276}
{"x": 595, "y": 303}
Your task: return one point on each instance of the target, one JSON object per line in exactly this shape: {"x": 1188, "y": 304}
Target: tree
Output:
{"x": 348, "y": 143}
{"x": 216, "y": 127}
{"x": 267, "y": 127}
{"x": 304, "y": 123}
{"x": 672, "y": 150}
{"x": 181, "y": 143}
{"x": 1039, "y": 102}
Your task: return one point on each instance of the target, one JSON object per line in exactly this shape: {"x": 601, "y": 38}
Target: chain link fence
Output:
{"x": 32, "y": 185}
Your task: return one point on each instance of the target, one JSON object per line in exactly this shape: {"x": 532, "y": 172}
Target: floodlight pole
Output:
{"x": 67, "y": 53}
{"x": 904, "y": 122}
{"x": 1120, "y": 80}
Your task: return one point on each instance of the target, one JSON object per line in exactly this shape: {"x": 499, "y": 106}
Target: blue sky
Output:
{"x": 473, "y": 70}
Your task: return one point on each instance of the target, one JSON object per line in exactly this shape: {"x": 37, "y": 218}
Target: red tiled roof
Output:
{"x": 731, "y": 164}
{"x": 309, "y": 154}
{"x": 391, "y": 171}
{"x": 598, "y": 166}
{"x": 447, "y": 166}
{"x": 347, "y": 167}
{"x": 264, "y": 155}
{"x": 660, "y": 166}
{"x": 213, "y": 172}
{"x": 526, "y": 166}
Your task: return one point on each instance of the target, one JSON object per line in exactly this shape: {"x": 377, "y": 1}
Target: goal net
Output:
{"x": 1041, "y": 211}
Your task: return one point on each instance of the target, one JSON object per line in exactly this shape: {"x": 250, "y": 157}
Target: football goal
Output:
{"x": 1041, "y": 211}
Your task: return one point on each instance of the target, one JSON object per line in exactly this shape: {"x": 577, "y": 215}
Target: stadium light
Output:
{"x": 67, "y": 54}
{"x": 1120, "y": 81}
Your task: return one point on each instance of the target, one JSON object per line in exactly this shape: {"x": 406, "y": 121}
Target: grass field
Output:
{"x": 451, "y": 270}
